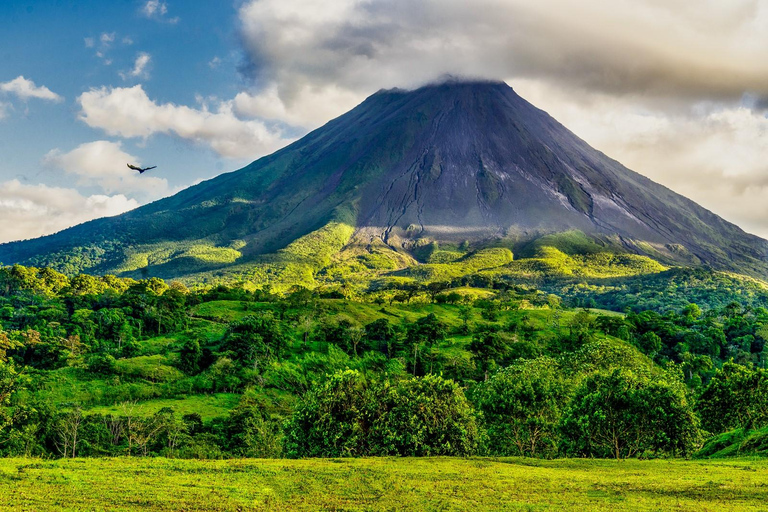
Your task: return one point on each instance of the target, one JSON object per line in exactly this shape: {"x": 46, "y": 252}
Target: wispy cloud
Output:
{"x": 102, "y": 44}
{"x": 25, "y": 89}
{"x": 157, "y": 10}
{"x": 140, "y": 67}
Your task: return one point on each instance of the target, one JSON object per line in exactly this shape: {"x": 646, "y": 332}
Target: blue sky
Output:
{"x": 677, "y": 91}
{"x": 192, "y": 54}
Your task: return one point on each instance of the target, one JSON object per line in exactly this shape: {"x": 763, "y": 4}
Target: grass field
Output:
{"x": 207, "y": 406}
{"x": 382, "y": 484}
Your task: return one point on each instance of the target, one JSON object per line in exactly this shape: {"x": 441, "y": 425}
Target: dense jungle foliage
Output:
{"x": 95, "y": 366}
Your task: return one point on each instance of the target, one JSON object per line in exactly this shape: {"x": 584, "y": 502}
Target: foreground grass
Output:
{"x": 382, "y": 484}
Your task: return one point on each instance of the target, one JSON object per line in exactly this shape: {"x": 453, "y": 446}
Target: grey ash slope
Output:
{"x": 453, "y": 161}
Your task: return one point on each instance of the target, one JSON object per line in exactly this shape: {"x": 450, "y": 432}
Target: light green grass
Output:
{"x": 156, "y": 368}
{"x": 382, "y": 484}
{"x": 221, "y": 310}
{"x": 207, "y": 406}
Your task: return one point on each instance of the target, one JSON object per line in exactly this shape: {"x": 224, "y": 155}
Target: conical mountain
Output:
{"x": 450, "y": 162}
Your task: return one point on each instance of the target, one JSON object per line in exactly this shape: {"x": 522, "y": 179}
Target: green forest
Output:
{"x": 107, "y": 366}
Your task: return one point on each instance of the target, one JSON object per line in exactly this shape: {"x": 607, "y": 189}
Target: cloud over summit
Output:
{"x": 670, "y": 68}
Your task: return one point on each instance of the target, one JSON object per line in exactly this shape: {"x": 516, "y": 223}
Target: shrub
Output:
{"x": 349, "y": 416}
{"x": 626, "y": 413}
{"x": 522, "y": 407}
{"x": 736, "y": 397}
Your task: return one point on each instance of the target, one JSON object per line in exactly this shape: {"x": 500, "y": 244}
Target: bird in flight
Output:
{"x": 141, "y": 169}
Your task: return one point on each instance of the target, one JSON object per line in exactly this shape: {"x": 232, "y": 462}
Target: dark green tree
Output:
{"x": 624, "y": 413}
{"x": 736, "y": 397}
{"x": 522, "y": 406}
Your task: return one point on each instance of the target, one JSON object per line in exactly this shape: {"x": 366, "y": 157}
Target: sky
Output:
{"x": 675, "y": 90}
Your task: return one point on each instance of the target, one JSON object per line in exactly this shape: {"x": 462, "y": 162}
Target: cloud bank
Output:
{"x": 29, "y": 211}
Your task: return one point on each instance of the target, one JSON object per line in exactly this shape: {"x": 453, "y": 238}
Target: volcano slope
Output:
{"x": 468, "y": 164}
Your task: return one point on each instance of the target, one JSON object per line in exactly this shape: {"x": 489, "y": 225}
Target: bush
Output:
{"x": 332, "y": 420}
{"x": 736, "y": 397}
{"x": 522, "y": 406}
{"x": 249, "y": 433}
{"x": 348, "y": 416}
{"x": 423, "y": 417}
{"x": 626, "y": 413}
{"x": 102, "y": 364}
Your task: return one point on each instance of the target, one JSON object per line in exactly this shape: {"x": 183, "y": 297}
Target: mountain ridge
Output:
{"x": 448, "y": 162}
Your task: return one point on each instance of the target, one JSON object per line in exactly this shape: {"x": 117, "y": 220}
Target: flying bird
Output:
{"x": 141, "y": 169}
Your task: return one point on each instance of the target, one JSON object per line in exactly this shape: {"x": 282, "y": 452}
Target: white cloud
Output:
{"x": 104, "y": 164}
{"x": 713, "y": 49}
{"x": 139, "y": 67}
{"x": 309, "y": 107}
{"x": 102, "y": 45}
{"x": 214, "y": 63}
{"x": 129, "y": 112}
{"x": 25, "y": 89}
{"x": 29, "y": 211}
{"x": 157, "y": 9}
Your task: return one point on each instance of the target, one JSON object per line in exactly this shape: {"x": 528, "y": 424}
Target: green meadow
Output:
{"x": 383, "y": 484}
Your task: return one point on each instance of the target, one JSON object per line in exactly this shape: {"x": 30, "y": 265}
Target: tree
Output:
{"x": 649, "y": 343}
{"x": 344, "y": 334}
{"x": 613, "y": 326}
{"x": 300, "y": 296}
{"x": 9, "y": 384}
{"x": 256, "y": 339}
{"x": 422, "y": 417}
{"x": 582, "y": 330}
{"x": 465, "y": 314}
{"x": 736, "y": 397}
{"x": 331, "y": 420}
{"x": 693, "y": 311}
{"x": 624, "y": 413}
{"x": 428, "y": 330}
{"x": 68, "y": 431}
{"x": 348, "y": 416}
{"x": 435, "y": 288}
{"x": 173, "y": 430}
{"x": 522, "y": 407}
{"x": 490, "y": 349}
{"x": 190, "y": 356}
{"x": 249, "y": 432}
{"x": 381, "y": 335}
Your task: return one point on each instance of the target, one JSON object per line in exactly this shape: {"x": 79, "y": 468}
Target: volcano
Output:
{"x": 466, "y": 162}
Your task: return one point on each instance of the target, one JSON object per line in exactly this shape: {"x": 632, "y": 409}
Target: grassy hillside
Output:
{"x": 736, "y": 443}
{"x": 382, "y": 484}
